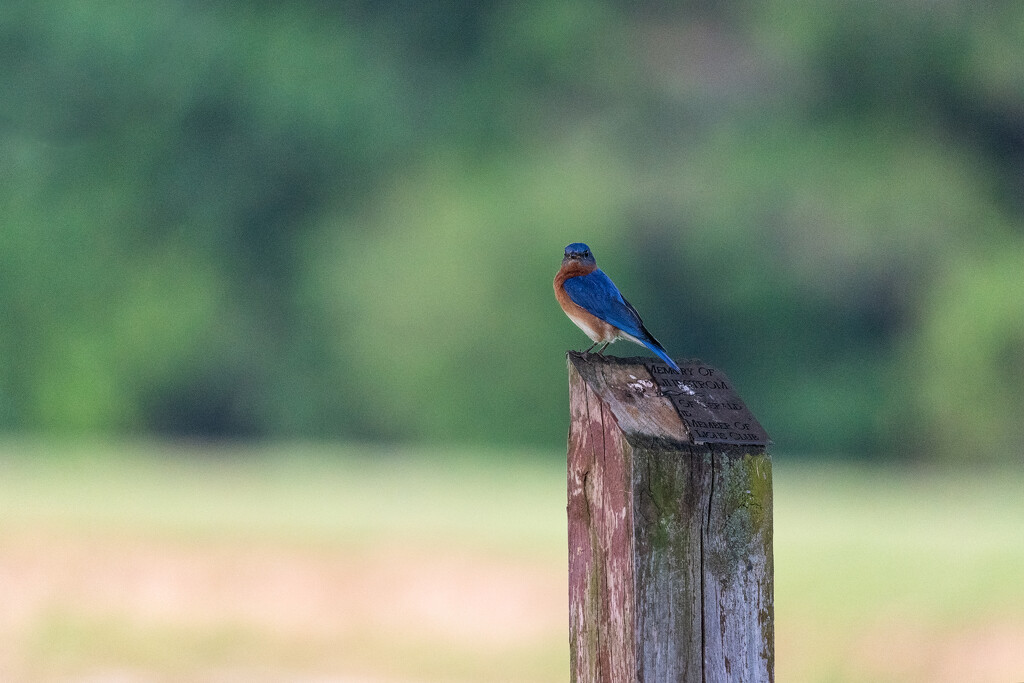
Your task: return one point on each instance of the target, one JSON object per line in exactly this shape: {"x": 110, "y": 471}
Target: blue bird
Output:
{"x": 594, "y": 303}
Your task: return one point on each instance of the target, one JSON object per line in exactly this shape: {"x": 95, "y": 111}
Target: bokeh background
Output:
{"x": 275, "y": 283}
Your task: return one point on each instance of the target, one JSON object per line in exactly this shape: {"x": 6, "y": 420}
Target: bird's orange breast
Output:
{"x": 595, "y": 328}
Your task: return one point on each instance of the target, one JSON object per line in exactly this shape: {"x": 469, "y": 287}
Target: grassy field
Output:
{"x": 157, "y": 563}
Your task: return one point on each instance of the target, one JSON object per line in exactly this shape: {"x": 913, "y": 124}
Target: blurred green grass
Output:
{"x": 349, "y": 495}
{"x": 895, "y": 574}
{"x": 881, "y": 574}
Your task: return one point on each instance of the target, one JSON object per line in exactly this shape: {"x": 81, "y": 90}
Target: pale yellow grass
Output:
{"x": 287, "y": 565}
{"x": 162, "y": 609}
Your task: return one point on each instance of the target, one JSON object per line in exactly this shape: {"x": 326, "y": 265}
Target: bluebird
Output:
{"x": 594, "y": 303}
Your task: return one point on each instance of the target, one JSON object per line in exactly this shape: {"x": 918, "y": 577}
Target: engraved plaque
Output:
{"x": 707, "y": 403}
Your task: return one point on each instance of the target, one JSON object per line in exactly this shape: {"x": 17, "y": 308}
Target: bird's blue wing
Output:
{"x": 597, "y": 294}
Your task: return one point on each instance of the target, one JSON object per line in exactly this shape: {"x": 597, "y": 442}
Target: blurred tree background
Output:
{"x": 341, "y": 219}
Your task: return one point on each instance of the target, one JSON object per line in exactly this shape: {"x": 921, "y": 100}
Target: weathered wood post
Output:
{"x": 670, "y": 526}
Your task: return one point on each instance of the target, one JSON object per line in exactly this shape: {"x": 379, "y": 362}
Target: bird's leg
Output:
{"x": 600, "y": 351}
{"x": 591, "y": 346}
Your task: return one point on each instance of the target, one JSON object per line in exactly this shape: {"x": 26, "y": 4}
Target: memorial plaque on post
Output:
{"x": 707, "y": 403}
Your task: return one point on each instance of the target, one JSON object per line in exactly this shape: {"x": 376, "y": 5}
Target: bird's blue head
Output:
{"x": 579, "y": 253}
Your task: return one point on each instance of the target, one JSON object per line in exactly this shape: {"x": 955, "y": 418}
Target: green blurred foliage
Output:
{"x": 341, "y": 219}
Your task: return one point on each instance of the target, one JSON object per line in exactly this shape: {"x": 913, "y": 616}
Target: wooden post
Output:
{"x": 670, "y": 532}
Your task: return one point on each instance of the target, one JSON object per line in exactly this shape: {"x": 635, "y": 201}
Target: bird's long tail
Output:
{"x": 660, "y": 351}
